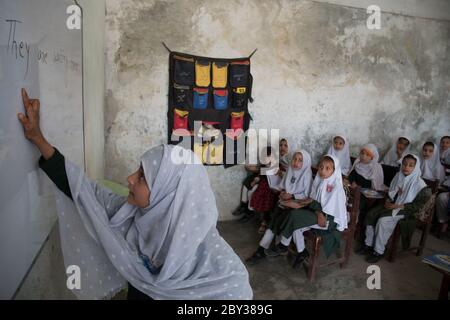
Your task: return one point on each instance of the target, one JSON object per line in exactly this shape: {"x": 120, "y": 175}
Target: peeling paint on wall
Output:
{"x": 318, "y": 71}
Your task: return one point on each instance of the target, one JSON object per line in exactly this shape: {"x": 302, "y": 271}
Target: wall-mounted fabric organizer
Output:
{"x": 213, "y": 92}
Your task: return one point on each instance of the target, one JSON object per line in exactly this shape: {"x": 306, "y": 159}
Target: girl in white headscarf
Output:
{"x": 443, "y": 199}
{"x": 285, "y": 156}
{"x": 296, "y": 184}
{"x": 325, "y": 209}
{"x": 398, "y": 149}
{"x": 430, "y": 164}
{"x": 444, "y": 147}
{"x": 161, "y": 239}
{"x": 407, "y": 194}
{"x": 366, "y": 171}
{"x": 444, "y": 155}
{"x": 340, "y": 149}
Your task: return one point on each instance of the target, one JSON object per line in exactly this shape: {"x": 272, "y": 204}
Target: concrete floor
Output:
{"x": 273, "y": 278}
{"x": 407, "y": 278}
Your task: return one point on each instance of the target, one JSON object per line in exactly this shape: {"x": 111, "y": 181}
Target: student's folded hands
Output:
{"x": 285, "y": 196}
{"x": 391, "y": 206}
{"x": 293, "y": 204}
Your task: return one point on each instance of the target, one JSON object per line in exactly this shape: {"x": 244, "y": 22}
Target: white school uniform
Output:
{"x": 333, "y": 203}
{"x": 296, "y": 182}
{"x": 406, "y": 188}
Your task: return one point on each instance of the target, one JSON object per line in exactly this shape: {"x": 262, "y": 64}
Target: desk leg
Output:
{"x": 445, "y": 285}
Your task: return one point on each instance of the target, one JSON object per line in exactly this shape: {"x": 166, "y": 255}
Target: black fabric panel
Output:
{"x": 210, "y": 114}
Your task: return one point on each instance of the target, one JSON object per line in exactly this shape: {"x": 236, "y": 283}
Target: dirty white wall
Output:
{"x": 318, "y": 71}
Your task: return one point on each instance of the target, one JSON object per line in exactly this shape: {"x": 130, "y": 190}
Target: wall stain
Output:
{"x": 318, "y": 71}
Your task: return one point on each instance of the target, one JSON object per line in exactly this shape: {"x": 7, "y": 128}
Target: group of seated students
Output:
{"x": 290, "y": 200}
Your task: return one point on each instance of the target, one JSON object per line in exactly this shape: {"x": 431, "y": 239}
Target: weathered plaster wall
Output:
{"x": 318, "y": 71}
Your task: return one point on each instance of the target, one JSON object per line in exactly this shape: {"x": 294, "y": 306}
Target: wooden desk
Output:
{"x": 445, "y": 283}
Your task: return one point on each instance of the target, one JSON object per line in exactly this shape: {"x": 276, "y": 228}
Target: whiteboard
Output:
{"x": 37, "y": 52}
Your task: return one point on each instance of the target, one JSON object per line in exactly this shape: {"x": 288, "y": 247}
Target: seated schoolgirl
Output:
{"x": 340, "y": 149}
{"x": 285, "y": 157}
{"x": 430, "y": 164}
{"x": 396, "y": 152}
{"x": 250, "y": 182}
{"x": 248, "y": 187}
{"x": 444, "y": 146}
{"x": 366, "y": 171}
{"x": 407, "y": 194}
{"x": 266, "y": 194}
{"x": 444, "y": 156}
{"x": 324, "y": 210}
{"x": 296, "y": 185}
{"x": 443, "y": 199}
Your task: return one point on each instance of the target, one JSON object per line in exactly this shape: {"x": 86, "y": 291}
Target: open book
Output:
{"x": 439, "y": 260}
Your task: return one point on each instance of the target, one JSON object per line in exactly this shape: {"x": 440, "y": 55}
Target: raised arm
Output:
{"x": 51, "y": 162}
{"x": 31, "y": 127}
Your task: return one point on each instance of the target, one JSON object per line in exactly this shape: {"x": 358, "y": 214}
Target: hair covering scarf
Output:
{"x": 169, "y": 250}
{"x": 343, "y": 155}
{"x": 330, "y": 194}
{"x": 406, "y": 187}
{"x": 391, "y": 157}
{"x": 432, "y": 168}
{"x": 370, "y": 171}
{"x": 298, "y": 181}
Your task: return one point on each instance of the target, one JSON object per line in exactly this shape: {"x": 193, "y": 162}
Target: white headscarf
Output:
{"x": 432, "y": 168}
{"x": 372, "y": 171}
{"x": 271, "y": 172}
{"x": 285, "y": 160}
{"x": 298, "y": 181}
{"x": 343, "y": 155}
{"x": 331, "y": 195}
{"x": 409, "y": 186}
{"x": 445, "y": 159}
{"x": 391, "y": 157}
{"x": 110, "y": 239}
{"x": 444, "y": 154}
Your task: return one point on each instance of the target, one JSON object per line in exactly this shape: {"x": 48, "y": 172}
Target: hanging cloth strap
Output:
{"x": 165, "y": 46}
